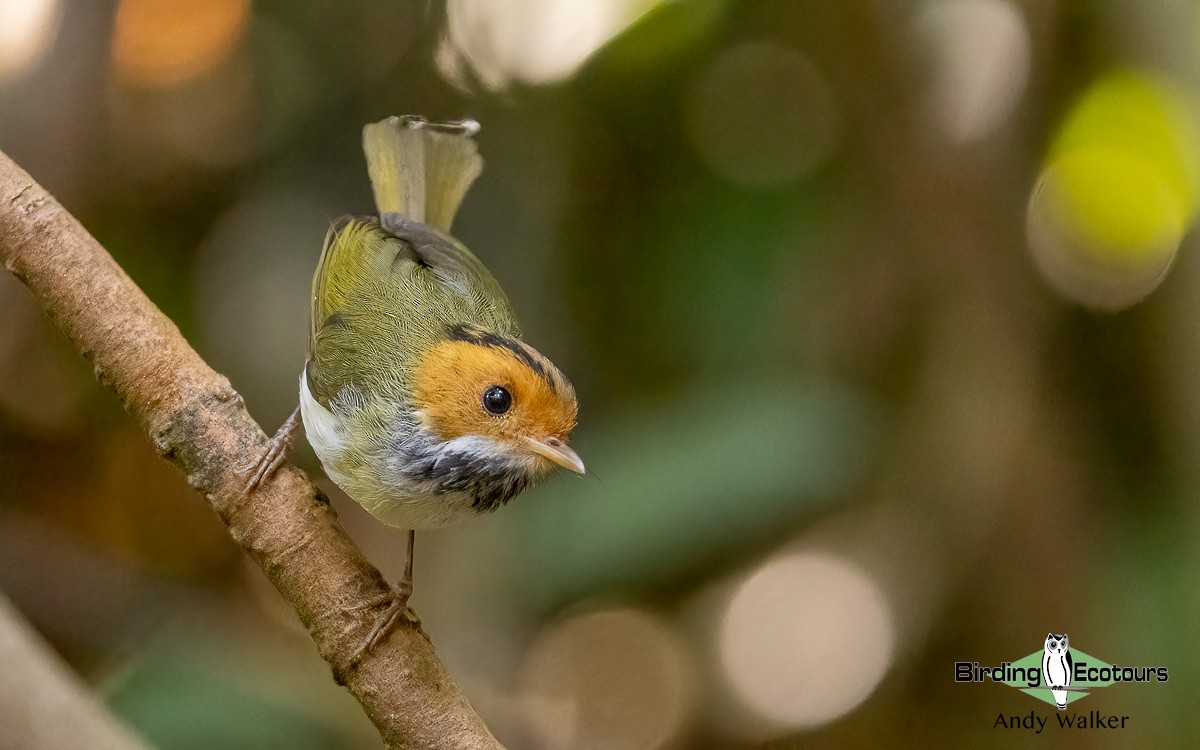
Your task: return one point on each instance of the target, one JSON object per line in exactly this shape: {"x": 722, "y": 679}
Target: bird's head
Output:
{"x": 481, "y": 384}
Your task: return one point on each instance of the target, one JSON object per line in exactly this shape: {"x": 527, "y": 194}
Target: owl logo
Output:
{"x": 1057, "y": 667}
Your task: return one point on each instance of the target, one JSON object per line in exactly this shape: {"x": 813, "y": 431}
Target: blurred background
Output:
{"x": 884, "y": 319}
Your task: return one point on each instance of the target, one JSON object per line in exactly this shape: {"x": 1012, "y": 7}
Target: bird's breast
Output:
{"x": 404, "y": 475}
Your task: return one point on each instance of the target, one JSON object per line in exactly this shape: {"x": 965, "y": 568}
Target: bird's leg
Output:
{"x": 397, "y": 601}
{"x": 275, "y": 452}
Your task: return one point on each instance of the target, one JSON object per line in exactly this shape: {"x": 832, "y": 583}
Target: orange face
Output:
{"x": 497, "y": 387}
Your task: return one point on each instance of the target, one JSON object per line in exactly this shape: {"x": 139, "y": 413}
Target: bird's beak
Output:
{"x": 557, "y": 451}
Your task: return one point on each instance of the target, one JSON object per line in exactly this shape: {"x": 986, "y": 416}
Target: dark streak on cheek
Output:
{"x": 489, "y": 484}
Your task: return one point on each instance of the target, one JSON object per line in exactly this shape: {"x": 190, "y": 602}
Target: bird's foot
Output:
{"x": 397, "y": 609}
{"x": 275, "y": 452}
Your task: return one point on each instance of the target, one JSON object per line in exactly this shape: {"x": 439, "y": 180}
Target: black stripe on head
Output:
{"x": 483, "y": 337}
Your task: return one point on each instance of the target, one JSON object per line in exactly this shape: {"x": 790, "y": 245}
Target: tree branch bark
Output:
{"x": 199, "y": 423}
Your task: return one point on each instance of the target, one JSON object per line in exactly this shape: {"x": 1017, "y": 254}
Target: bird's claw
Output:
{"x": 397, "y": 608}
{"x": 274, "y": 454}
{"x": 265, "y": 466}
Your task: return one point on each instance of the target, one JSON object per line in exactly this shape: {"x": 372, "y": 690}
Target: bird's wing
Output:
{"x": 457, "y": 268}
{"x": 381, "y": 296}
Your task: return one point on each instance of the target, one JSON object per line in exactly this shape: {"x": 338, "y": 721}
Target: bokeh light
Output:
{"x": 1118, "y": 191}
{"x": 762, "y": 115}
{"x": 529, "y": 41}
{"x": 609, "y": 679}
{"x": 252, "y": 280}
{"x": 805, "y": 639}
{"x": 27, "y": 28}
{"x": 166, "y": 42}
{"x": 980, "y": 53}
{"x": 208, "y": 121}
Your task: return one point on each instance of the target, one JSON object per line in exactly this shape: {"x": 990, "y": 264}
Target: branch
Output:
{"x": 45, "y": 704}
{"x": 200, "y": 424}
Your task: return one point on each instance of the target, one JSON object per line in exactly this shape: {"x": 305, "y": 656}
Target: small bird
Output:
{"x": 419, "y": 396}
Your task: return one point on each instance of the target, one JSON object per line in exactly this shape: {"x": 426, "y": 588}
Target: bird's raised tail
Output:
{"x": 421, "y": 169}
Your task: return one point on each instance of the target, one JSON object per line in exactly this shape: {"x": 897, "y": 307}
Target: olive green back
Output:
{"x": 381, "y": 297}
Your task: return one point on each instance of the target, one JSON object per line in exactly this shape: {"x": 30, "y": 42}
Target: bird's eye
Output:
{"x": 497, "y": 400}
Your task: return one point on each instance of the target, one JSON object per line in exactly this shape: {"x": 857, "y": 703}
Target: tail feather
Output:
{"x": 421, "y": 169}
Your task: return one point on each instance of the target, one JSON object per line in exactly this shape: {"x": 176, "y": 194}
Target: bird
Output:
{"x": 419, "y": 395}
